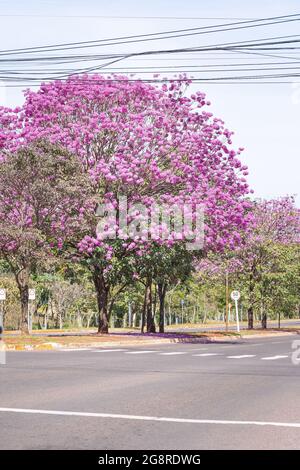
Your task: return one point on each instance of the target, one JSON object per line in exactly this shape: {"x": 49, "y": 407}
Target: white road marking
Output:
{"x": 207, "y": 354}
{"x": 109, "y": 350}
{"x": 140, "y": 352}
{"x": 242, "y": 356}
{"x": 149, "y": 418}
{"x": 199, "y": 349}
{"x": 273, "y": 358}
{"x": 74, "y": 349}
{"x": 172, "y": 353}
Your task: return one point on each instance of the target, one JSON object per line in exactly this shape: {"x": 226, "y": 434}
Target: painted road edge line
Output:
{"x": 149, "y": 418}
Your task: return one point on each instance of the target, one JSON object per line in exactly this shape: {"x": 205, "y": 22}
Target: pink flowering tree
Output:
{"x": 275, "y": 225}
{"x": 42, "y": 193}
{"x": 150, "y": 144}
{"x": 276, "y": 222}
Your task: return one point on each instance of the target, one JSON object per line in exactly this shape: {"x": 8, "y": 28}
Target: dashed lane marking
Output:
{"x": 74, "y": 349}
{"x": 177, "y": 353}
{"x": 207, "y": 354}
{"x": 109, "y": 350}
{"x": 243, "y": 356}
{"x": 273, "y": 358}
{"x": 140, "y": 352}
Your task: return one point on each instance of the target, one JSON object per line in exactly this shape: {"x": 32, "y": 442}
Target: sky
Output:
{"x": 264, "y": 117}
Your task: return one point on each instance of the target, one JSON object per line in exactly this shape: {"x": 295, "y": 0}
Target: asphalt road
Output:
{"x": 242, "y": 395}
{"x": 232, "y": 327}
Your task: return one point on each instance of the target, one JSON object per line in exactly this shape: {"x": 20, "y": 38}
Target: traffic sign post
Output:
{"x": 2, "y": 346}
{"x": 235, "y": 295}
{"x": 31, "y": 296}
{"x": 2, "y": 299}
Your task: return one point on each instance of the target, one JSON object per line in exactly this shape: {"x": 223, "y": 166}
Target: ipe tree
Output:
{"x": 42, "y": 195}
{"x": 148, "y": 143}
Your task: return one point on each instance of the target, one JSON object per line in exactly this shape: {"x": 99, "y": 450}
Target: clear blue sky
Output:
{"x": 265, "y": 118}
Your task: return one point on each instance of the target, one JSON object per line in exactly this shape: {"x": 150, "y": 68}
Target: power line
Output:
{"x": 150, "y": 36}
{"x": 250, "y": 47}
{"x": 21, "y": 15}
{"x": 120, "y": 79}
{"x": 231, "y": 46}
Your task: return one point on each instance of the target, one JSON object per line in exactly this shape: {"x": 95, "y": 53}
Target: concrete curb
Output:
{"x": 32, "y": 347}
{"x": 271, "y": 334}
{"x": 57, "y": 346}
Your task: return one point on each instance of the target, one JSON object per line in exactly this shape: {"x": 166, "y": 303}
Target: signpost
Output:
{"x": 235, "y": 296}
{"x": 31, "y": 296}
{"x": 2, "y": 346}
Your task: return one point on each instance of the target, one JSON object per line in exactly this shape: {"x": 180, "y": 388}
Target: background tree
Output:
{"x": 42, "y": 195}
{"x": 257, "y": 265}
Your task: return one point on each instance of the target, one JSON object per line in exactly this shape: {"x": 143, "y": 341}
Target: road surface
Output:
{"x": 243, "y": 395}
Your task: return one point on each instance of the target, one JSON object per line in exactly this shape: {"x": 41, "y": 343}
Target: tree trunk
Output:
{"x": 250, "y": 318}
{"x": 161, "y": 289}
{"x": 149, "y": 315}
{"x": 22, "y": 278}
{"x": 143, "y": 319}
{"x": 264, "y": 319}
{"x": 102, "y": 291}
{"x": 250, "y": 308}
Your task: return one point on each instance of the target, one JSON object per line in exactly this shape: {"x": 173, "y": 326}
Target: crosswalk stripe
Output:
{"x": 241, "y": 357}
{"x": 273, "y": 358}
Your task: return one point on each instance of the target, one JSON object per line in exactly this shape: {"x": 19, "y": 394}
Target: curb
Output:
{"x": 271, "y": 334}
{"x": 51, "y": 346}
{"x": 30, "y": 347}
{"x": 58, "y": 346}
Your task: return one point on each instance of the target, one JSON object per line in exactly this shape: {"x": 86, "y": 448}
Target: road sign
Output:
{"x": 31, "y": 294}
{"x": 2, "y": 294}
{"x": 235, "y": 295}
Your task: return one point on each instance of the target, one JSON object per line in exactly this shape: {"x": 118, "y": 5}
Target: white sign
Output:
{"x": 31, "y": 294}
{"x": 235, "y": 295}
{"x": 2, "y": 294}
